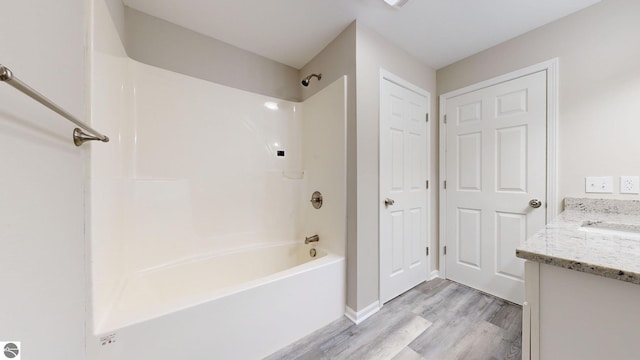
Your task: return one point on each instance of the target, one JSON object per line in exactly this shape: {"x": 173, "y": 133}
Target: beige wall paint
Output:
{"x": 334, "y": 61}
{"x": 157, "y": 42}
{"x": 116, "y": 10}
{"x": 599, "y": 89}
{"x": 42, "y": 259}
{"x": 360, "y": 53}
{"x": 373, "y": 53}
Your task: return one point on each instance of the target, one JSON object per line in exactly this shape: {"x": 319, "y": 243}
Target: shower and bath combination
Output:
{"x": 305, "y": 81}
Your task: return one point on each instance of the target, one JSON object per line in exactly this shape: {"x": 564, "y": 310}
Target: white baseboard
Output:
{"x": 359, "y": 316}
{"x": 434, "y": 274}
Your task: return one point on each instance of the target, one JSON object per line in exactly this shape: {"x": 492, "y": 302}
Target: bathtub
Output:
{"x": 238, "y": 305}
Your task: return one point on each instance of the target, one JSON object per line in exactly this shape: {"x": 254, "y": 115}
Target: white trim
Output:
{"x": 359, "y": 316}
{"x": 384, "y": 74}
{"x": 552, "y": 138}
{"x": 434, "y": 274}
{"x": 442, "y": 197}
{"x": 387, "y": 75}
{"x": 551, "y": 67}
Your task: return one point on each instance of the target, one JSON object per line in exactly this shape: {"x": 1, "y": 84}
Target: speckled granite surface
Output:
{"x": 604, "y": 206}
{"x": 598, "y": 248}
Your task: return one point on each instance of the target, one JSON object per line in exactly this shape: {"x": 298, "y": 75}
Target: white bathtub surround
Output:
{"x": 110, "y": 104}
{"x": 202, "y": 176}
{"x": 206, "y": 176}
{"x": 201, "y": 172}
{"x": 325, "y": 167}
{"x": 194, "y": 215}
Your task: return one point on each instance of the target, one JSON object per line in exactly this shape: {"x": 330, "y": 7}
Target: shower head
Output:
{"x": 305, "y": 81}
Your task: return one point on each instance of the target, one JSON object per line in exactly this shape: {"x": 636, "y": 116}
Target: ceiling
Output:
{"x": 292, "y": 32}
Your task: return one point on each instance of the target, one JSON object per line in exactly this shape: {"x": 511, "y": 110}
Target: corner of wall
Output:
{"x": 337, "y": 59}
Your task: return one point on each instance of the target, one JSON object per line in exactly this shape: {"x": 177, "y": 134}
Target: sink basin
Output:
{"x": 607, "y": 228}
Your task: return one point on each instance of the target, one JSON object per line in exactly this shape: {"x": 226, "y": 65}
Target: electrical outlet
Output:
{"x": 599, "y": 184}
{"x": 629, "y": 184}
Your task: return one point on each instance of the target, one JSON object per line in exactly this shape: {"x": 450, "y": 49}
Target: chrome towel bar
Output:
{"x": 79, "y": 137}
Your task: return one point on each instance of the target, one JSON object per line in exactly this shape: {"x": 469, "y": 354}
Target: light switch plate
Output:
{"x": 629, "y": 184}
{"x": 599, "y": 184}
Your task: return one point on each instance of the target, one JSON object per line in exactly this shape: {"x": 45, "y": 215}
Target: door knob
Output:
{"x": 389, "y": 202}
{"x": 535, "y": 203}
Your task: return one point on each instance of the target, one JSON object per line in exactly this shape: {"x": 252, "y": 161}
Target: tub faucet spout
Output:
{"x": 310, "y": 239}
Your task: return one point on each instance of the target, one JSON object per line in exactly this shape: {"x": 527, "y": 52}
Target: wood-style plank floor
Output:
{"x": 438, "y": 320}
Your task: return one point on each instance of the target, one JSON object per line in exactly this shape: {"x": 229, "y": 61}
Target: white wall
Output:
{"x": 42, "y": 260}
{"x": 599, "y": 89}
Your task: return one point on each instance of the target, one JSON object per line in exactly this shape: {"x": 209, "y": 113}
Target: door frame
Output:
{"x": 551, "y": 67}
{"x": 387, "y": 75}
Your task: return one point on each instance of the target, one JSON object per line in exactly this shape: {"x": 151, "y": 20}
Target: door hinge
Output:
{"x": 445, "y": 184}
{"x": 427, "y": 251}
{"x": 427, "y": 116}
{"x": 427, "y": 183}
{"x": 445, "y": 118}
{"x": 445, "y": 250}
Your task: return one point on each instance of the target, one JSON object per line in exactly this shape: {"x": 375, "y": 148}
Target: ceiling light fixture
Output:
{"x": 396, "y": 3}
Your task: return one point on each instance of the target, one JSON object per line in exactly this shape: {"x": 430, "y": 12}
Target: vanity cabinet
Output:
{"x": 575, "y": 315}
{"x": 582, "y": 283}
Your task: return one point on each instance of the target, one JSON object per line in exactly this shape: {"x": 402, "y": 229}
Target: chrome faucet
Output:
{"x": 310, "y": 239}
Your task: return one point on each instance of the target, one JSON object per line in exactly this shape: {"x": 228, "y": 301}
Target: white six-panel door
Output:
{"x": 495, "y": 165}
{"x": 403, "y": 175}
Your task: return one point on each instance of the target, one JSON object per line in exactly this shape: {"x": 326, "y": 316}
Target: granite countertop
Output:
{"x": 565, "y": 243}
